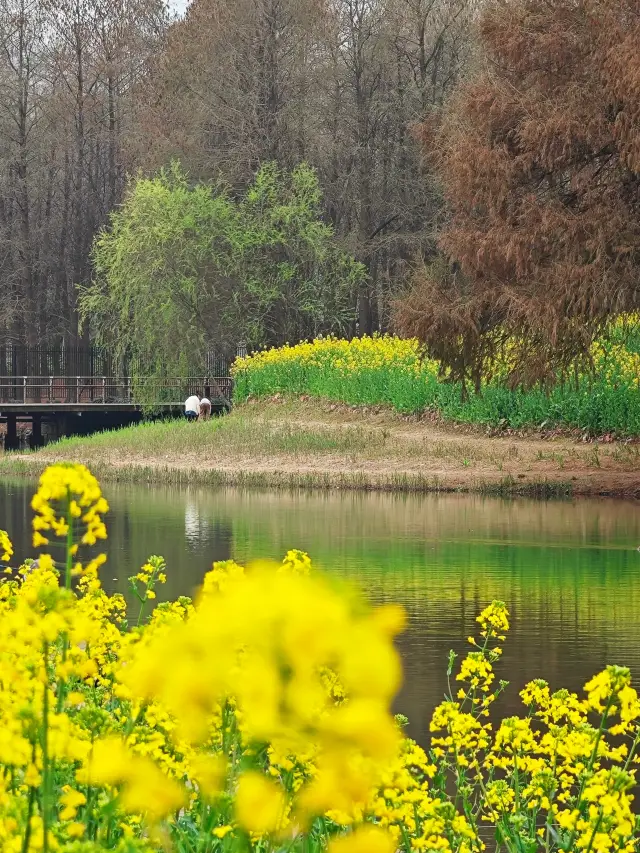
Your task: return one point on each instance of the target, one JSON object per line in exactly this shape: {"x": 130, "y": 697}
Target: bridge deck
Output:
{"x": 55, "y": 407}
{"x": 69, "y": 405}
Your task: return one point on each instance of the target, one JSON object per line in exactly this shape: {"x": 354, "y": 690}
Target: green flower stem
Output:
{"x": 69, "y": 543}
{"x": 632, "y": 751}
{"x": 32, "y": 798}
{"x": 45, "y": 753}
{"x": 67, "y": 583}
{"x": 594, "y": 755}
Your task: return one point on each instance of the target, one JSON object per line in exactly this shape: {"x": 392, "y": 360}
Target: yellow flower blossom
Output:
{"x": 66, "y": 493}
{"x": 6, "y": 548}
{"x": 221, "y": 831}
{"x": 365, "y": 839}
{"x": 260, "y": 804}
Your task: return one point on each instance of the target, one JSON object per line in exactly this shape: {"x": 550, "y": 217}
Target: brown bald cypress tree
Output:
{"x": 539, "y": 158}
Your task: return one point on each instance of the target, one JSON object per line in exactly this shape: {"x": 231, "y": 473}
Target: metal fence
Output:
{"x": 84, "y": 375}
{"x": 84, "y": 390}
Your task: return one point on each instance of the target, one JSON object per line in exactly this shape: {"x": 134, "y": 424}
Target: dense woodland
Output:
{"x": 95, "y": 90}
{"x": 68, "y": 73}
{"x": 465, "y": 171}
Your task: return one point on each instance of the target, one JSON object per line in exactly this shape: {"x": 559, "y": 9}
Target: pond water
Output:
{"x": 569, "y": 571}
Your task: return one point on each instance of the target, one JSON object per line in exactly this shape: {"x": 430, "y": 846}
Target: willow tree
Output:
{"x": 183, "y": 269}
{"x": 539, "y": 159}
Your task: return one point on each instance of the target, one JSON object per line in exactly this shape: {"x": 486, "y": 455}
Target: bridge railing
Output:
{"x": 81, "y": 390}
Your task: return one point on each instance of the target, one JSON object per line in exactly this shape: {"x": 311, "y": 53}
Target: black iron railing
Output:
{"x": 83, "y": 375}
{"x": 84, "y": 390}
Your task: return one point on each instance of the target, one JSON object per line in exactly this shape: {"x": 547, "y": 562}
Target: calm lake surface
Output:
{"x": 569, "y": 571}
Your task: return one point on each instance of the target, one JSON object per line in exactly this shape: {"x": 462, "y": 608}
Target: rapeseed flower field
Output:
{"x": 256, "y": 717}
{"x": 385, "y": 370}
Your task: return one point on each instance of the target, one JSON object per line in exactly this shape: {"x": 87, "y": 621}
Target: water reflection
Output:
{"x": 569, "y": 571}
{"x": 192, "y": 523}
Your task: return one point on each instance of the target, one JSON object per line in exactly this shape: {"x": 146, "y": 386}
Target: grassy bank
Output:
{"x": 390, "y": 371}
{"x": 306, "y": 444}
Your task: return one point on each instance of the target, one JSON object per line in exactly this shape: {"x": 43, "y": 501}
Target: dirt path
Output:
{"x": 310, "y": 443}
{"x": 463, "y": 457}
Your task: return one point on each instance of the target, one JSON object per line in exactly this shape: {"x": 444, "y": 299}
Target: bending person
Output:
{"x": 205, "y": 409}
{"x": 192, "y": 408}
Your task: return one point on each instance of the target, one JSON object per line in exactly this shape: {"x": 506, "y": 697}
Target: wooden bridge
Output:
{"x": 62, "y": 403}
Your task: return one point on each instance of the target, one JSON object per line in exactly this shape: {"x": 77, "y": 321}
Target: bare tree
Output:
{"x": 387, "y": 62}
{"x": 22, "y": 46}
{"x": 67, "y": 73}
{"x": 91, "y": 90}
{"x": 337, "y": 82}
{"x": 228, "y": 92}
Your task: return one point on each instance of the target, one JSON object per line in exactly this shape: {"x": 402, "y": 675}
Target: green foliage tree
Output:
{"x": 184, "y": 269}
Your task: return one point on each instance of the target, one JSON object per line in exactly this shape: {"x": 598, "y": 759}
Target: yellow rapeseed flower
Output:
{"x": 365, "y": 839}
{"x": 260, "y": 804}
{"x": 6, "y": 548}
{"x": 68, "y": 493}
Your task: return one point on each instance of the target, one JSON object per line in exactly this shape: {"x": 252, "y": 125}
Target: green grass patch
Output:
{"x": 236, "y": 433}
{"x": 388, "y": 371}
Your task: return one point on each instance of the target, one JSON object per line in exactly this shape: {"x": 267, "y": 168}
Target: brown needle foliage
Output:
{"x": 539, "y": 157}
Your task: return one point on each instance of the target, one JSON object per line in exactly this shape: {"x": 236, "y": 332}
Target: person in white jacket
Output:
{"x": 192, "y": 407}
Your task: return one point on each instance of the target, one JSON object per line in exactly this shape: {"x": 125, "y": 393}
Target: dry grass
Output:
{"x": 322, "y": 446}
